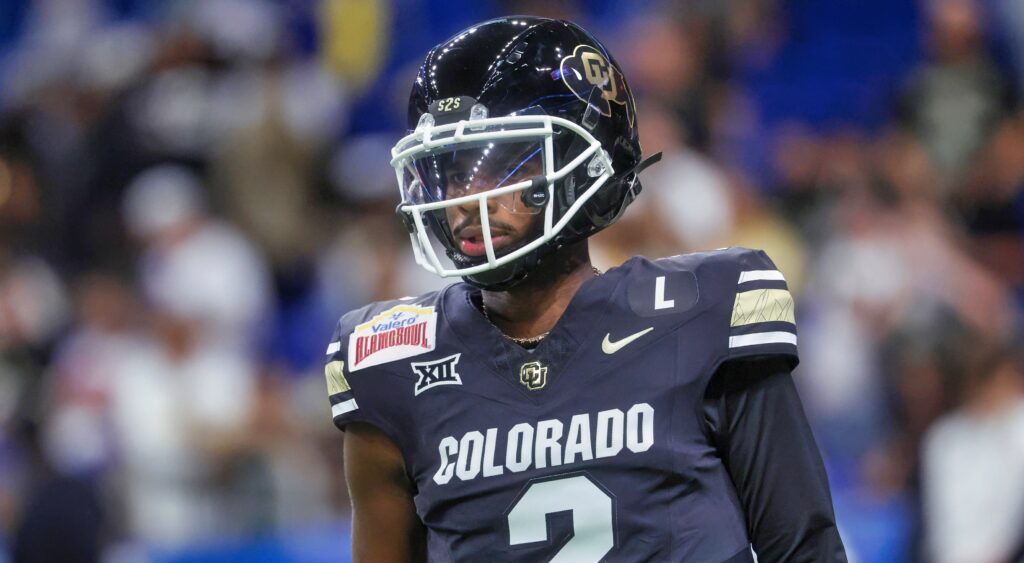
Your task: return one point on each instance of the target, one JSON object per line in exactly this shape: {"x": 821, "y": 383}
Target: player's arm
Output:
{"x": 385, "y": 527}
{"x": 758, "y": 424}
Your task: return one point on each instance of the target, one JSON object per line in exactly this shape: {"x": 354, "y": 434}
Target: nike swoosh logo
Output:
{"x": 609, "y": 347}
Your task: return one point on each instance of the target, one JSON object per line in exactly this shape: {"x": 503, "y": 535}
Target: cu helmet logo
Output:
{"x": 597, "y": 72}
{"x": 586, "y": 69}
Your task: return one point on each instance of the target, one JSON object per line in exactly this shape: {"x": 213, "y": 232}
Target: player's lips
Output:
{"x": 471, "y": 239}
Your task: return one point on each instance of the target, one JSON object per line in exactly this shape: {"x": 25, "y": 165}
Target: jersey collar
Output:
{"x": 576, "y": 331}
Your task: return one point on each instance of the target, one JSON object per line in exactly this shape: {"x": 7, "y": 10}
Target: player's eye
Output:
{"x": 460, "y": 179}
{"x": 458, "y": 184}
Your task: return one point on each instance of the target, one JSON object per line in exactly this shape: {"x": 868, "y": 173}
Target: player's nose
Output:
{"x": 473, "y": 205}
{"x": 480, "y": 183}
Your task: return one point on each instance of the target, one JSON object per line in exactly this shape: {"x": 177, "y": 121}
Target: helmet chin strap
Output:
{"x": 557, "y": 261}
{"x": 504, "y": 277}
{"x": 654, "y": 158}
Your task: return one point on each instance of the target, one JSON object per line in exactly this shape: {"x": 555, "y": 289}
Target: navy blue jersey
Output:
{"x": 592, "y": 447}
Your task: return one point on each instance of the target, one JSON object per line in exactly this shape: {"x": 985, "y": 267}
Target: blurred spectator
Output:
{"x": 992, "y": 205}
{"x": 954, "y": 100}
{"x": 973, "y": 462}
{"x": 195, "y": 266}
{"x": 686, "y": 204}
{"x": 890, "y": 261}
{"x": 33, "y": 303}
{"x": 284, "y": 117}
{"x": 686, "y": 190}
{"x": 180, "y": 404}
{"x": 296, "y": 487}
{"x": 665, "y": 59}
{"x": 78, "y": 438}
{"x": 798, "y": 170}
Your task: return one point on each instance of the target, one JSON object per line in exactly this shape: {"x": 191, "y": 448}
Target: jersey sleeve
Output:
{"x": 344, "y": 404}
{"x": 364, "y": 357}
{"x": 759, "y": 308}
{"x": 758, "y": 426}
{"x": 353, "y": 398}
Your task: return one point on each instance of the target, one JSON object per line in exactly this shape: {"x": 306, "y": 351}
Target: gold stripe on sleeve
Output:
{"x": 762, "y": 306}
{"x": 336, "y": 382}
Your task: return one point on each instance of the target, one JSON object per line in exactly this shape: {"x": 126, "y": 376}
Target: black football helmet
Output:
{"x": 532, "y": 112}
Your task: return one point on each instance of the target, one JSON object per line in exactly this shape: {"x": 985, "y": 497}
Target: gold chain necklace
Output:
{"x": 530, "y": 340}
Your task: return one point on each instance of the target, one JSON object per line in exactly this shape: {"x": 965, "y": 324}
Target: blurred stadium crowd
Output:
{"x": 191, "y": 193}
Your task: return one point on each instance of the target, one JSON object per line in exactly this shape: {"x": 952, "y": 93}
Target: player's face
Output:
{"x": 510, "y": 219}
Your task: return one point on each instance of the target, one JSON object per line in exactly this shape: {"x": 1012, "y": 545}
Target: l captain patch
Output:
{"x": 400, "y": 332}
{"x": 438, "y": 372}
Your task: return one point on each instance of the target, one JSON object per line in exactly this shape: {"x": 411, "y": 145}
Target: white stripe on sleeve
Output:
{"x": 333, "y": 347}
{"x": 756, "y": 338}
{"x": 759, "y": 275}
{"x": 344, "y": 407}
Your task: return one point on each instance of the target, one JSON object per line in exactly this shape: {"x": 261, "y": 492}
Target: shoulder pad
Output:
{"x": 747, "y": 291}
{"x": 371, "y": 337}
{"x": 723, "y": 259}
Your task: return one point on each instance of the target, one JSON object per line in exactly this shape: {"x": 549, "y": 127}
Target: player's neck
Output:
{"x": 534, "y": 306}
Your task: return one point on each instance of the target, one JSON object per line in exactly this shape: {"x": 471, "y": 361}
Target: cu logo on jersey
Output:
{"x": 533, "y": 375}
{"x": 438, "y": 372}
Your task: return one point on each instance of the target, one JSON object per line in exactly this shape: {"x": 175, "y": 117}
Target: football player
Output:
{"x": 542, "y": 410}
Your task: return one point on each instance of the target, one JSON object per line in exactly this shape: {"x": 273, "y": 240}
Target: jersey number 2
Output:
{"x": 592, "y": 517}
